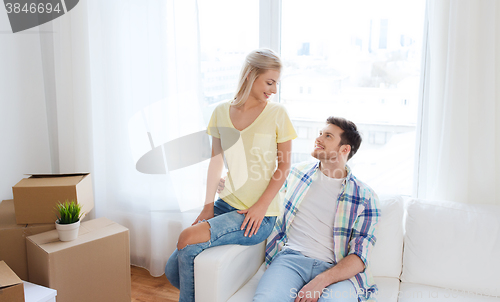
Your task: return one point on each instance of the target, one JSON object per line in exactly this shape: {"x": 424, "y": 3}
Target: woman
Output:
{"x": 252, "y": 134}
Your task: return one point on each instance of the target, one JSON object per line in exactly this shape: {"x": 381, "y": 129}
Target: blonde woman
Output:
{"x": 254, "y": 136}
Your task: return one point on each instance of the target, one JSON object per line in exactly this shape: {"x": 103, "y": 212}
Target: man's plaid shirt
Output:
{"x": 357, "y": 215}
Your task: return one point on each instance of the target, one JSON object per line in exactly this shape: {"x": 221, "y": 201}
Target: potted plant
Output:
{"x": 68, "y": 220}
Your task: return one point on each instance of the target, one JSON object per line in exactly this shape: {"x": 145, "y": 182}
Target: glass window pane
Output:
{"x": 359, "y": 60}
{"x": 228, "y": 31}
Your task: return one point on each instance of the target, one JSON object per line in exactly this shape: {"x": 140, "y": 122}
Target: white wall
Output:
{"x": 24, "y": 139}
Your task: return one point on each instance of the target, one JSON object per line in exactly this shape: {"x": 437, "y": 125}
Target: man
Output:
{"x": 319, "y": 247}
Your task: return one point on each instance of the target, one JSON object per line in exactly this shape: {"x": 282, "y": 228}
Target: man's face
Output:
{"x": 327, "y": 144}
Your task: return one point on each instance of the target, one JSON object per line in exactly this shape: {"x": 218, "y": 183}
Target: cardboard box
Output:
{"x": 13, "y": 239}
{"x": 36, "y": 197}
{"x": 94, "y": 267}
{"x": 11, "y": 287}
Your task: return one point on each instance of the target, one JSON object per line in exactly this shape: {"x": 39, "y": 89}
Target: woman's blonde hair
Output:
{"x": 256, "y": 63}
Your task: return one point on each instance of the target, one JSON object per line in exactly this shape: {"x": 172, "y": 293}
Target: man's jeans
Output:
{"x": 290, "y": 271}
{"x": 224, "y": 229}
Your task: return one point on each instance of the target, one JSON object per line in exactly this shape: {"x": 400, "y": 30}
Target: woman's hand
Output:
{"x": 255, "y": 214}
{"x": 253, "y": 217}
{"x": 206, "y": 214}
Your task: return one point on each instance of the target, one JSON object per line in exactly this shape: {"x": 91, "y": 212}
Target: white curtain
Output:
{"x": 23, "y": 120}
{"x": 126, "y": 80}
{"x": 459, "y": 156}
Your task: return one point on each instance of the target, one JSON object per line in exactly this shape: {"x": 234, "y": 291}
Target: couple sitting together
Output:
{"x": 318, "y": 218}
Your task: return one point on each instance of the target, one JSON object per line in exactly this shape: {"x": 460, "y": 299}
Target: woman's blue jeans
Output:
{"x": 224, "y": 229}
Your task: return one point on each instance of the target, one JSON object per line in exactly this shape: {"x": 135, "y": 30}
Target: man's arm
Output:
{"x": 347, "y": 268}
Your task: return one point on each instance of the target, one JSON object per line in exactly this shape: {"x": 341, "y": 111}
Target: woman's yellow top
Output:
{"x": 250, "y": 155}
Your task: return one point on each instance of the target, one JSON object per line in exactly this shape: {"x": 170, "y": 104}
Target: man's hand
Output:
{"x": 222, "y": 184}
{"x": 312, "y": 291}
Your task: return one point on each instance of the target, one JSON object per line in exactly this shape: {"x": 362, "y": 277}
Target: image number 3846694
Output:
{"x": 25, "y": 14}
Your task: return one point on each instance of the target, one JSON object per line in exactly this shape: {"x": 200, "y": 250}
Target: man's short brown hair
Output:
{"x": 350, "y": 135}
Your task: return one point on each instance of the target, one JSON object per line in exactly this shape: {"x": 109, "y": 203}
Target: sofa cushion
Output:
{"x": 388, "y": 289}
{"x": 452, "y": 245}
{"x": 248, "y": 290}
{"x": 387, "y": 255}
{"x": 410, "y": 292}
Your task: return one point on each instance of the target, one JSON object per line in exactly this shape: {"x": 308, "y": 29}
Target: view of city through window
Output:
{"x": 355, "y": 59}
{"x": 359, "y": 60}
{"x": 228, "y": 31}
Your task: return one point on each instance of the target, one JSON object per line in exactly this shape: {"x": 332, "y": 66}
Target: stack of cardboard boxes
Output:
{"x": 94, "y": 267}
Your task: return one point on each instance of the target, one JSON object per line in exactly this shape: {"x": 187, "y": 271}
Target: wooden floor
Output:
{"x": 146, "y": 288}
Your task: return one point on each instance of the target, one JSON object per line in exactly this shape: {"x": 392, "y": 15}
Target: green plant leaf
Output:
{"x": 69, "y": 212}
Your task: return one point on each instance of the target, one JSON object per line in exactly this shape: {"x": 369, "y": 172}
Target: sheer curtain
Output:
{"x": 460, "y": 119}
{"x": 125, "y": 82}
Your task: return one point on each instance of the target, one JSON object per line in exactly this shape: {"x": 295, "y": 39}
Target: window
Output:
{"x": 355, "y": 59}
{"x": 361, "y": 60}
{"x": 228, "y": 31}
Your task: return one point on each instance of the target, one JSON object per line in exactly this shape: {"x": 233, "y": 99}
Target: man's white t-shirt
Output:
{"x": 311, "y": 231}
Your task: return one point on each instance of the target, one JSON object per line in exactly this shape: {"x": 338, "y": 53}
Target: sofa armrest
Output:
{"x": 220, "y": 271}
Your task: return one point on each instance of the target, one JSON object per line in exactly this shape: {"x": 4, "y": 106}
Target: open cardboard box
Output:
{"x": 36, "y": 197}
{"x": 13, "y": 239}
{"x": 11, "y": 287}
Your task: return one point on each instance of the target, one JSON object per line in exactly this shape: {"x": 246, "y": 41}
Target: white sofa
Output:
{"x": 425, "y": 251}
